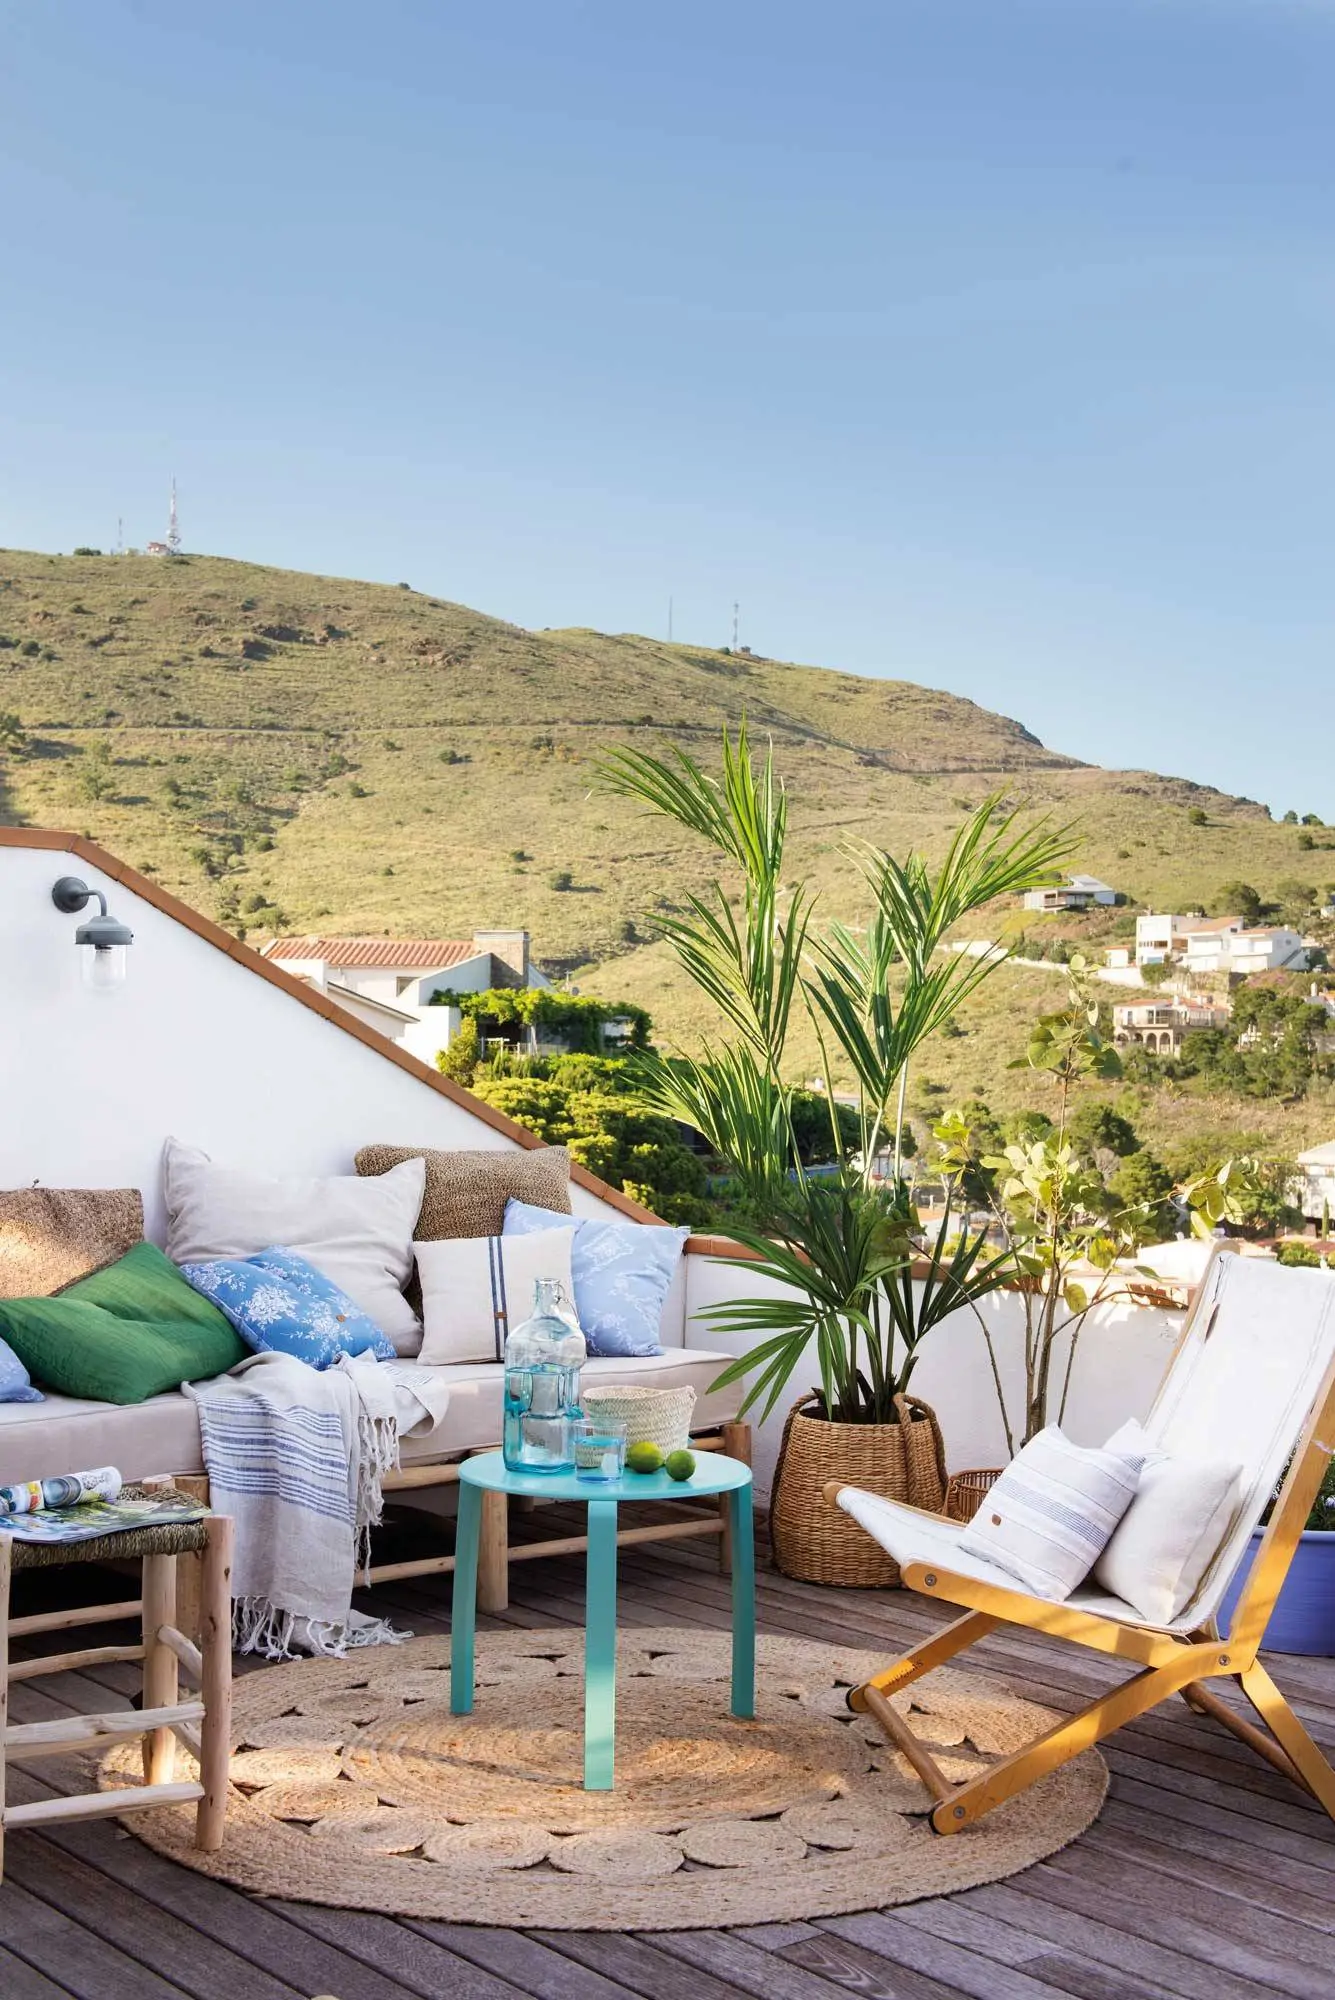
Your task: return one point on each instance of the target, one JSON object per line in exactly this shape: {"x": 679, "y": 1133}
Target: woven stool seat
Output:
{"x": 169, "y": 1538}
{"x": 173, "y": 1538}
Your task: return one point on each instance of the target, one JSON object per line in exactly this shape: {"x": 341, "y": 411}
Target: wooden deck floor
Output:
{"x": 1206, "y": 1877}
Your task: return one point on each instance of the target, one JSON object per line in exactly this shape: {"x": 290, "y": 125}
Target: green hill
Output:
{"x": 304, "y": 751}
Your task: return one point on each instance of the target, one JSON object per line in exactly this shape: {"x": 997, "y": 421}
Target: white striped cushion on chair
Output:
{"x": 1049, "y": 1517}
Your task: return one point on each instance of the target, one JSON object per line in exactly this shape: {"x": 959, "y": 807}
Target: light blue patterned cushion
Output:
{"x": 280, "y": 1304}
{"x": 621, "y": 1270}
{"x": 15, "y": 1381}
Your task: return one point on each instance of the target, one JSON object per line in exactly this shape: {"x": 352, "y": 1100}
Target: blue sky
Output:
{"x": 986, "y": 343}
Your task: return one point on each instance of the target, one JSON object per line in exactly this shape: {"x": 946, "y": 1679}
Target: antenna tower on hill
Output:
{"x": 173, "y": 527}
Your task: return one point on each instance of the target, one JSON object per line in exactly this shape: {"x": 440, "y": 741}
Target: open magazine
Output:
{"x": 80, "y": 1506}
{"x": 100, "y": 1517}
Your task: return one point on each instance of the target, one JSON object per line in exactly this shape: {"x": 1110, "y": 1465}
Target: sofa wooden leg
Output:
{"x": 736, "y": 1444}
{"x": 161, "y": 1676}
{"x": 190, "y": 1568}
{"x": 215, "y": 1645}
{"x": 493, "y": 1558}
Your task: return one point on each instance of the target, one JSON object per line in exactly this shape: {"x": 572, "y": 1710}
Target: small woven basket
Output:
{"x": 818, "y": 1543}
{"x": 651, "y": 1416}
{"x": 967, "y": 1491}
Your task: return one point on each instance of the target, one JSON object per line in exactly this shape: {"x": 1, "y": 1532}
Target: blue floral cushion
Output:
{"x": 15, "y": 1381}
{"x": 280, "y": 1304}
{"x": 621, "y": 1270}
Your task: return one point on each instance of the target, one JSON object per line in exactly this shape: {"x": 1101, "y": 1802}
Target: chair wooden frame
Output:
{"x": 1169, "y": 1665}
{"x": 202, "y": 1724}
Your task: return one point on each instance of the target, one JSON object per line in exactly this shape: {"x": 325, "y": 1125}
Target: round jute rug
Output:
{"x": 354, "y": 1785}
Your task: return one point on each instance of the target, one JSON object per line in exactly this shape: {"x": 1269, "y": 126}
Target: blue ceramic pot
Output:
{"x": 1303, "y": 1620}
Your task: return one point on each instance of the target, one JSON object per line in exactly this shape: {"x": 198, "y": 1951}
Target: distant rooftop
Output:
{"x": 389, "y": 954}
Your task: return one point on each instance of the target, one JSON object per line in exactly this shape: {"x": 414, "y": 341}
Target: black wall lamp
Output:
{"x": 101, "y": 940}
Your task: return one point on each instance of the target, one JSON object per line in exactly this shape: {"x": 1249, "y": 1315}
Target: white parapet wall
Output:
{"x": 1123, "y": 1352}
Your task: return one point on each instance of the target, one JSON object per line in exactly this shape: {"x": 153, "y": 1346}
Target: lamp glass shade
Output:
{"x": 103, "y": 966}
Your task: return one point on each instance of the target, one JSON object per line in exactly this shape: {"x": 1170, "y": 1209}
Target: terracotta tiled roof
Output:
{"x": 390, "y": 954}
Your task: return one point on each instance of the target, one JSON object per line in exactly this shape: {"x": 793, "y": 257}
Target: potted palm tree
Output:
{"x": 860, "y": 1289}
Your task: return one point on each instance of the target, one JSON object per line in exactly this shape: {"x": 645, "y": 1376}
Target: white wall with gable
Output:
{"x": 193, "y": 1044}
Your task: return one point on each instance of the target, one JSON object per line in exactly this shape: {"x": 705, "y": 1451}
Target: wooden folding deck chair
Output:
{"x": 1253, "y": 1381}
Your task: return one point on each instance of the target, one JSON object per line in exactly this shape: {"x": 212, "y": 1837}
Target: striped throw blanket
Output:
{"x": 296, "y": 1456}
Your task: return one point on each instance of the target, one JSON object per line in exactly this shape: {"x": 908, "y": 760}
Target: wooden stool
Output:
{"x": 203, "y": 1724}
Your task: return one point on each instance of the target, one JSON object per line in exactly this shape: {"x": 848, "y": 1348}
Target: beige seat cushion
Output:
{"x": 70, "y": 1434}
{"x": 473, "y": 1417}
{"x": 66, "y": 1434}
{"x": 466, "y": 1192}
{"x": 51, "y": 1236}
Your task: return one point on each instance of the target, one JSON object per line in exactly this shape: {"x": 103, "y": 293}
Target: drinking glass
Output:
{"x": 600, "y": 1449}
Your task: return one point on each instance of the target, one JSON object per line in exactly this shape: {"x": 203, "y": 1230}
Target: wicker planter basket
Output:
{"x": 901, "y": 1461}
{"x": 653, "y": 1416}
{"x": 967, "y": 1491}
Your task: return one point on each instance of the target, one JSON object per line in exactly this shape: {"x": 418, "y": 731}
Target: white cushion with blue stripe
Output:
{"x": 475, "y": 1288}
{"x": 1051, "y": 1514}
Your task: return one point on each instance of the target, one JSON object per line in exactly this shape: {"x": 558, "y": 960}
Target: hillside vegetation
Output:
{"x": 293, "y": 751}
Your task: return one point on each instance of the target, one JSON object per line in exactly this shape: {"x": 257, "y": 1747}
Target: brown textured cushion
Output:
{"x": 51, "y": 1236}
{"x": 466, "y": 1192}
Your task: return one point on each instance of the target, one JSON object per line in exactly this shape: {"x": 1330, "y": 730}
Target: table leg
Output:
{"x": 743, "y": 1603}
{"x": 463, "y": 1609}
{"x": 600, "y": 1647}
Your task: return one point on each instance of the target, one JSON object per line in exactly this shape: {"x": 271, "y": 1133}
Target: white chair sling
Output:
{"x": 1252, "y": 1381}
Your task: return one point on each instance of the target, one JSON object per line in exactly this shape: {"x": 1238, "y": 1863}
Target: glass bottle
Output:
{"x": 543, "y": 1358}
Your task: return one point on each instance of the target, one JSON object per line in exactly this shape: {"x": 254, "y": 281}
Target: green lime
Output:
{"x": 679, "y": 1464}
{"x": 643, "y": 1457}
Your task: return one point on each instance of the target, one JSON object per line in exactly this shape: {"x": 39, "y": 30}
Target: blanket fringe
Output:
{"x": 377, "y": 1454}
{"x": 259, "y": 1626}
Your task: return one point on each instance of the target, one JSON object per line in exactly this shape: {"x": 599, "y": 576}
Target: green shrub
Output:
{"x": 460, "y": 1060}
{"x": 1298, "y": 1255}
{"x": 95, "y": 774}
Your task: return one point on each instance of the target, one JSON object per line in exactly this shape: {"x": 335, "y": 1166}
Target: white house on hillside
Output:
{"x": 1077, "y": 893}
{"x": 1161, "y": 937}
{"x": 1224, "y": 944}
{"x": 389, "y": 983}
{"x": 1160, "y": 1025}
{"x": 1314, "y": 1189}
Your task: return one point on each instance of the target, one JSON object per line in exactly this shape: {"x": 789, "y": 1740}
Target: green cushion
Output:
{"x": 124, "y": 1334}
{"x": 143, "y": 1284}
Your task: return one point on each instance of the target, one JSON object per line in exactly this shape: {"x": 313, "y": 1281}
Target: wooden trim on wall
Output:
{"x": 245, "y": 956}
{"x": 1165, "y": 1296}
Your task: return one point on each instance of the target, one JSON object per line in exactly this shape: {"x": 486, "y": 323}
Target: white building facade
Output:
{"x": 1226, "y": 945}
{"x": 1314, "y": 1189}
{"x": 1077, "y": 893}
{"x": 391, "y": 983}
{"x": 1159, "y": 938}
{"x": 1159, "y": 1026}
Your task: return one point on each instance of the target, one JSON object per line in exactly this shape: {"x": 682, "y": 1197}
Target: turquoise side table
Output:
{"x": 714, "y": 1475}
